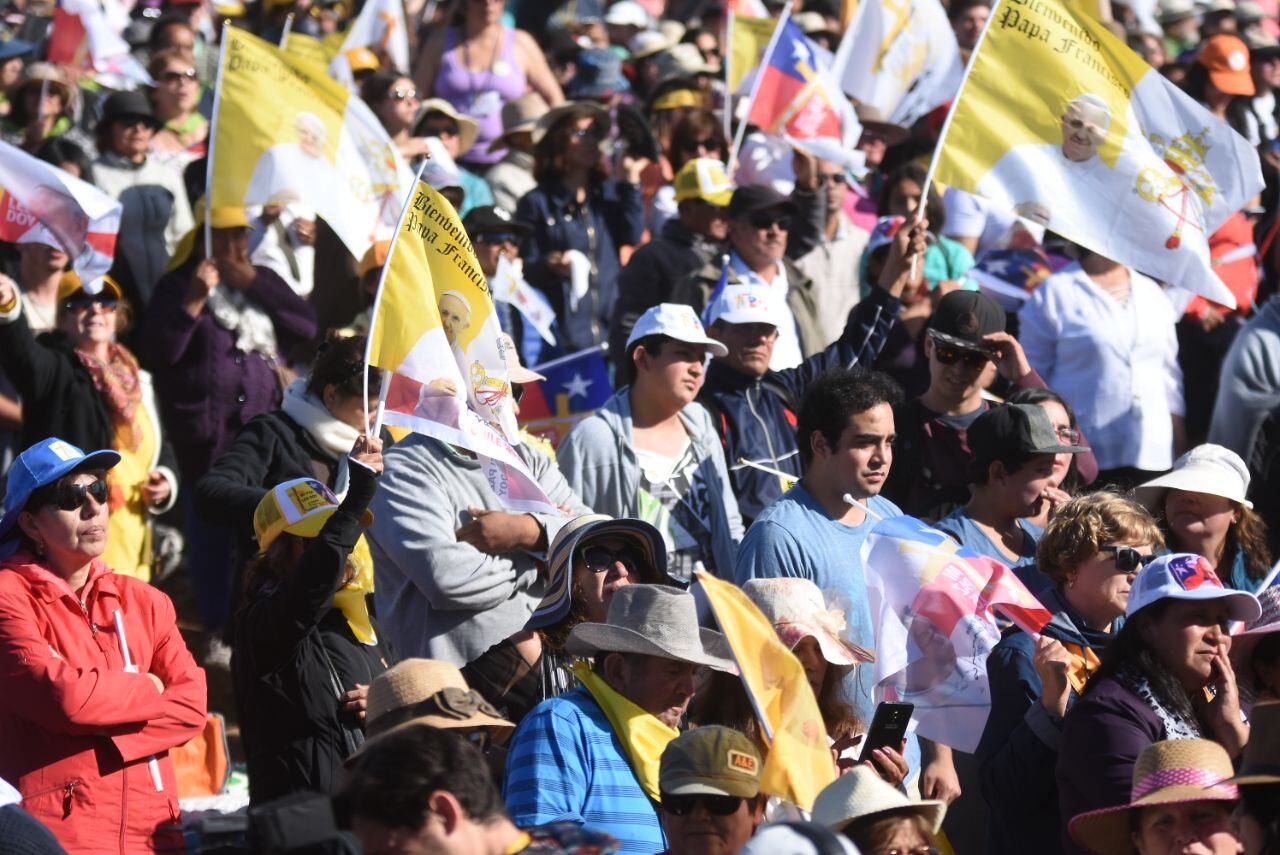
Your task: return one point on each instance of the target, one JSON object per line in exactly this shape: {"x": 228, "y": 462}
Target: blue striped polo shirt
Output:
{"x": 565, "y": 764}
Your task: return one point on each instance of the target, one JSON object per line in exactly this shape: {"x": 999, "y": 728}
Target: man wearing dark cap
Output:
{"x": 495, "y": 236}
{"x": 966, "y": 346}
{"x": 767, "y": 231}
{"x": 1014, "y": 447}
{"x": 709, "y": 778}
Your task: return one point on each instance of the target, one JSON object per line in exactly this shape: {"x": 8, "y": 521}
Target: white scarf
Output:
{"x": 1175, "y": 726}
{"x": 334, "y": 436}
{"x": 236, "y": 313}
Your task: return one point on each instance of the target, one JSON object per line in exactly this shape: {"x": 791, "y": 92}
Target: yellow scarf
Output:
{"x": 643, "y": 735}
{"x": 350, "y": 599}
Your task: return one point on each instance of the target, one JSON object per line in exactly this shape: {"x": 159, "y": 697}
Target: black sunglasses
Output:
{"x": 948, "y": 355}
{"x": 1128, "y": 559}
{"x": 716, "y": 805}
{"x": 179, "y": 76}
{"x": 495, "y": 238}
{"x": 71, "y": 497}
{"x": 85, "y": 301}
{"x": 517, "y": 392}
{"x": 600, "y": 560}
{"x": 766, "y": 220}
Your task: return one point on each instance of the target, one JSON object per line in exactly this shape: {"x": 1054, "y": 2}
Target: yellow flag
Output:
{"x": 750, "y": 38}
{"x": 1096, "y": 145}
{"x": 434, "y": 328}
{"x": 319, "y": 51}
{"x": 286, "y": 133}
{"x": 799, "y": 763}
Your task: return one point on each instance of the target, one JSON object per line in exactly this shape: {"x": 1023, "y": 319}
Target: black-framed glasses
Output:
{"x": 949, "y": 355}
{"x": 768, "y": 219}
{"x": 180, "y": 76}
{"x": 1068, "y": 435}
{"x": 403, "y": 94}
{"x": 83, "y": 302}
{"x": 601, "y": 560}
{"x": 128, "y": 122}
{"x": 495, "y": 238}
{"x": 71, "y": 497}
{"x": 835, "y": 178}
{"x": 1128, "y": 559}
{"x": 685, "y": 805}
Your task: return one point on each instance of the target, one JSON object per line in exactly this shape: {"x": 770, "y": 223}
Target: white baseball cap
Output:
{"x": 628, "y": 13}
{"x": 1186, "y": 576}
{"x": 1207, "y": 468}
{"x": 677, "y": 321}
{"x": 745, "y": 304}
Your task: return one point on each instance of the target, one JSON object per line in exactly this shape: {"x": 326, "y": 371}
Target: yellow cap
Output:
{"x": 220, "y": 218}
{"x": 704, "y": 178}
{"x": 70, "y": 284}
{"x": 301, "y": 506}
{"x": 677, "y": 98}
{"x": 363, "y": 59}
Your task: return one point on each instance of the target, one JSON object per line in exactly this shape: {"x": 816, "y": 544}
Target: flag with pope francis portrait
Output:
{"x": 286, "y": 133}
{"x": 434, "y": 330}
{"x": 1096, "y": 145}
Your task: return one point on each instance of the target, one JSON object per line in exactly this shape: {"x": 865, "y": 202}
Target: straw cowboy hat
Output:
{"x": 468, "y": 128}
{"x": 861, "y": 793}
{"x": 653, "y": 620}
{"x": 796, "y": 609}
{"x": 1176, "y": 771}
{"x": 1243, "y": 643}
{"x": 426, "y": 691}
{"x": 564, "y": 548}
{"x": 1261, "y": 763}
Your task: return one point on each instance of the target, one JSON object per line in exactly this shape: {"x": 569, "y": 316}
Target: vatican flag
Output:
{"x": 1095, "y": 144}
{"x": 435, "y": 332}
{"x": 286, "y": 133}
{"x": 748, "y": 37}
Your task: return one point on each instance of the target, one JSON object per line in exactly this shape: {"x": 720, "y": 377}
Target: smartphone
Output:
{"x": 888, "y": 728}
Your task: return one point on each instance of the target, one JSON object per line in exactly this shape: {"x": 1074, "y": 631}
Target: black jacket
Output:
{"x": 652, "y": 273}
{"x": 293, "y": 655}
{"x": 271, "y": 448}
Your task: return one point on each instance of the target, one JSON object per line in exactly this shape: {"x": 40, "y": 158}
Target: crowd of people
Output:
{"x": 802, "y": 345}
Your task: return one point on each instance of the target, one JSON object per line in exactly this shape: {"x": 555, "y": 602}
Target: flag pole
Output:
{"x": 213, "y": 138}
{"x": 755, "y": 85}
{"x": 284, "y": 31}
{"x": 377, "y": 300}
{"x": 728, "y": 76}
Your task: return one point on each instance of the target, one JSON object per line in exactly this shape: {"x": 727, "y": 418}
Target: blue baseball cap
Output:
{"x": 42, "y": 464}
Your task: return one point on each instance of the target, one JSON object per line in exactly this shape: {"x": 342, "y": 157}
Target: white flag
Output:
{"x": 509, "y": 286}
{"x": 901, "y": 57}
{"x": 379, "y": 27}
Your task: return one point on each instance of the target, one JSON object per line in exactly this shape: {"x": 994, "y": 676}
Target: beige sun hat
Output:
{"x": 1175, "y": 771}
{"x": 516, "y": 372}
{"x": 519, "y": 115}
{"x": 861, "y": 793}
{"x": 426, "y": 691}
{"x": 468, "y": 128}
{"x": 1207, "y": 468}
{"x": 1243, "y": 643}
{"x": 653, "y": 620}
{"x": 797, "y": 609}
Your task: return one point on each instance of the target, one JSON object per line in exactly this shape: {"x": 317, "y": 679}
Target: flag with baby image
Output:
{"x": 434, "y": 331}
{"x": 286, "y": 133}
{"x": 932, "y": 606}
{"x": 40, "y": 203}
{"x": 1097, "y": 145}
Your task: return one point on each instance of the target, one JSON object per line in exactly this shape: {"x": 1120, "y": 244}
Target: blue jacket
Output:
{"x": 1019, "y": 747}
{"x": 613, "y": 216}
{"x": 755, "y": 416}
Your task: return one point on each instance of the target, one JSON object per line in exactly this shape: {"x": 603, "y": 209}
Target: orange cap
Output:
{"x": 1227, "y": 60}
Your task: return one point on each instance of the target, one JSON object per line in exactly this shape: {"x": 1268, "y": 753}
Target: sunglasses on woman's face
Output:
{"x": 71, "y": 497}
{"x": 84, "y": 302}
{"x": 403, "y": 94}
{"x": 1128, "y": 559}
{"x": 600, "y": 560}
{"x": 716, "y": 805}
{"x": 179, "y": 76}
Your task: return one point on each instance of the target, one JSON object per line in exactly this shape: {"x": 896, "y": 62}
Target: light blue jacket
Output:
{"x": 600, "y": 464}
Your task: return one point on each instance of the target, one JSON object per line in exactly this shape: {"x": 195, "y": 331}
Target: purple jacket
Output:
{"x": 207, "y": 388}
{"x": 1102, "y": 735}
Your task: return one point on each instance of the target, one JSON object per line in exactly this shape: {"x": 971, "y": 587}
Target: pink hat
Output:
{"x": 797, "y": 609}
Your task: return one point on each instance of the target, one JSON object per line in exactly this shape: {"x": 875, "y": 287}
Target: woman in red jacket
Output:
{"x": 96, "y": 684}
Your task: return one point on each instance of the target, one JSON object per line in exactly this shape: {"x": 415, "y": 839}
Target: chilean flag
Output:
{"x": 795, "y": 95}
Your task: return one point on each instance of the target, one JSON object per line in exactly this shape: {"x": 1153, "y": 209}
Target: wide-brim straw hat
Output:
{"x": 564, "y": 548}
{"x": 861, "y": 793}
{"x": 1243, "y": 643}
{"x": 571, "y": 108}
{"x": 797, "y": 609}
{"x": 1261, "y": 761}
{"x": 872, "y": 119}
{"x": 653, "y": 620}
{"x": 468, "y": 128}
{"x": 1207, "y": 468}
{"x": 1176, "y": 771}
{"x": 426, "y": 692}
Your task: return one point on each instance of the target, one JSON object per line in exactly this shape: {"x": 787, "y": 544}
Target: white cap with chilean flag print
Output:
{"x": 1185, "y": 576}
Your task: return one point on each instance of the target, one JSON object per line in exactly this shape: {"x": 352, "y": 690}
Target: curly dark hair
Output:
{"x": 340, "y": 363}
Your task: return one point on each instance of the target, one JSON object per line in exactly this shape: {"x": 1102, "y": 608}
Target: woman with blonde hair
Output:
{"x": 1092, "y": 549}
{"x": 1202, "y": 508}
